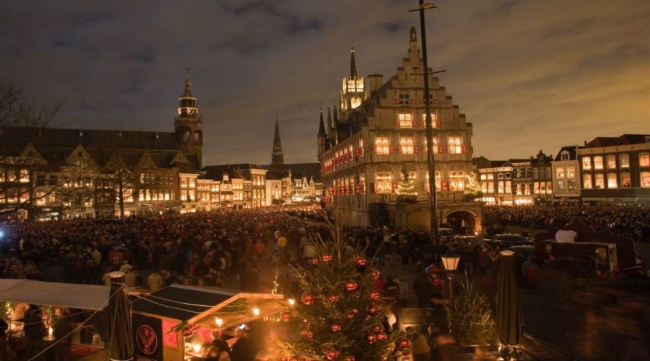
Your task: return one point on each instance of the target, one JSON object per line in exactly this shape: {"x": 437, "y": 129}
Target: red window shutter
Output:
{"x": 464, "y": 149}
{"x": 412, "y": 101}
{"x": 392, "y": 150}
{"x": 394, "y": 186}
{"x": 397, "y": 101}
{"x": 438, "y": 124}
{"x": 416, "y": 149}
{"x": 397, "y": 124}
{"x": 374, "y": 150}
{"x": 445, "y": 186}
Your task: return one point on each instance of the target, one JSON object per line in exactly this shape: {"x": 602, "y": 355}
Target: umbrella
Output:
{"x": 510, "y": 319}
{"x": 120, "y": 335}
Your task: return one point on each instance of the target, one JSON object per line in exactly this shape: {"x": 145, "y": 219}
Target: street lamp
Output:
{"x": 428, "y": 121}
{"x": 450, "y": 261}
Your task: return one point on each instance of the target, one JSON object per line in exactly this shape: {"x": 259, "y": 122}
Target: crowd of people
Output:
{"x": 629, "y": 221}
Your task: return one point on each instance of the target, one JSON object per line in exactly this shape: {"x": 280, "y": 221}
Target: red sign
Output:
{"x": 169, "y": 338}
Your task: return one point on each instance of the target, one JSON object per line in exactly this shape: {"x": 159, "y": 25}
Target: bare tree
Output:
{"x": 19, "y": 163}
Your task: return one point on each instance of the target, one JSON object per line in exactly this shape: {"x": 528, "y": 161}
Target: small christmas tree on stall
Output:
{"x": 340, "y": 315}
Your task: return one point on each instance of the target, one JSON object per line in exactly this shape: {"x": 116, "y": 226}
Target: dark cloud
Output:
{"x": 528, "y": 74}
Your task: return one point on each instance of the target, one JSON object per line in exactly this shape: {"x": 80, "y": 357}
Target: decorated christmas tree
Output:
{"x": 406, "y": 187}
{"x": 340, "y": 315}
{"x": 473, "y": 188}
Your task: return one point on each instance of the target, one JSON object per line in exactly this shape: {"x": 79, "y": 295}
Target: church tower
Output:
{"x": 189, "y": 125}
{"x": 353, "y": 91}
{"x": 277, "y": 158}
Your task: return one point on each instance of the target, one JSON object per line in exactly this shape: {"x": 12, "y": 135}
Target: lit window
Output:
{"x": 611, "y": 180}
{"x": 626, "y": 181}
{"x": 586, "y": 163}
{"x": 560, "y": 185}
{"x": 404, "y": 98}
{"x": 508, "y": 187}
{"x": 600, "y": 181}
{"x": 435, "y": 144}
{"x": 405, "y": 120}
{"x": 611, "y": 161}
{"x": 434, "y": 120}
{"x": 564, "y": 155}
{"x": 24, "y": 176}
{"x": 456, "y": 181}
{"x": 382, "y": 145}
{"x": 559, "y": 172}
{"x": 587, "y": 181}
{"x": 645, "y": 179}
{"x": 406, "y": 145}
{"x": 500, "y": 187}
{"x": 624, "y": 160}
{"x": 570, "y": 172}
{"x": 455, "y": 144}
{"x": 598, "y": 162}
{"x": 644, "y": 160}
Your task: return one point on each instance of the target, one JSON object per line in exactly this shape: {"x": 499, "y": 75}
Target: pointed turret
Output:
{"x": 277, "y": 158}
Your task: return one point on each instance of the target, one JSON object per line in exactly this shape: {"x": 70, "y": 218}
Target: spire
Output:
{"x": 321, "y": 124}
{"x": 353, "y": 64}
{"x": 277, "y": 157}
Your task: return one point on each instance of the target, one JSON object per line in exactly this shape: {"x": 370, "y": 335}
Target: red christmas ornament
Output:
{"x": 285, "y": 316}
{"x": 361, "y": 261}
{"x": 375, "y": 274}
{"x": 373, "y": 310}
{"x": 334, "y": 298}
{"x": 384, "y": 357}
{"x": 327, "y": 257}
{"x": 284, "y": 358}
{"x": 336, "y": 328}
{"x": 377, "y": 328}
{"x": 308, "y": 298}
{"x": 374, "y": 295}
{"x": 403, "y": 344}
{"x": 350, "y": 315}
{"x": 381, "y": 336}
{"x": 351, "y": 285}
{"x": 355, "y": 310}
{"x": 372, "y": 338}
{"x": 348, "y": 358}
{"x": 308, "y": 334}
{"x": 313, "y": 261}
{"x": 331, "y": 353}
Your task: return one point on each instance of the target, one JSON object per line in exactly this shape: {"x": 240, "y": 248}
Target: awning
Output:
{"x": 87, "y": 297}
{"x": 201, "y": 305}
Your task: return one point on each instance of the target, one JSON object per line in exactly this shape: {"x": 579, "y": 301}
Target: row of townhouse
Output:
{"x": 606, "y": 169}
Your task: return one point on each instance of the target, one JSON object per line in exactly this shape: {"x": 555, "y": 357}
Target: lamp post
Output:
{"x": 429, "y": 127}
{"x": 450, "y": 262}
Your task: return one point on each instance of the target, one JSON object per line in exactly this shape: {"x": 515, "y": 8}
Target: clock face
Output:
{"x": 356, "y": 101}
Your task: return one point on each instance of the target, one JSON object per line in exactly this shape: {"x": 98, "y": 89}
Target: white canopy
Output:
{"x": 89, "y": 297}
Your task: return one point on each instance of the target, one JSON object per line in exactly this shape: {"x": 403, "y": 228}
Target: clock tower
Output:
{"x": 353, "y": 91}
{"x": 189, "y": 124}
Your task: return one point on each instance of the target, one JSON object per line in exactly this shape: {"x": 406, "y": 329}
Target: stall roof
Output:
{"x": 198, "y": 304}
{"x": 89, "y": 297}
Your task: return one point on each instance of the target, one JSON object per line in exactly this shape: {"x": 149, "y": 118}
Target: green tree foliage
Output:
{"x": 339, "y": 315}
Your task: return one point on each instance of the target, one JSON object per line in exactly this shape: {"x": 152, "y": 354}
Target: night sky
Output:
{"x": 530, "y": 75}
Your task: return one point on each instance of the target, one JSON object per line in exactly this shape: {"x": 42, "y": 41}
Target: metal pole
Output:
{"x": 450, "y": 276}
{"x": 429, "y": 129}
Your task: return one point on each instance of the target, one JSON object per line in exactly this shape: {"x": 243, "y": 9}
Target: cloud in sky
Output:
{"x": 529, "y": 75}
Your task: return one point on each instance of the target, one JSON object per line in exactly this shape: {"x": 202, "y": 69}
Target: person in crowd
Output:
{"x": 34, "y": 331}
{"x": 420, "y": 349}
{"x": 155, "y": 281}
{"x": 423, "y": 290}
{"x": 4, "y": 351}
{"x": 63, "y": 330}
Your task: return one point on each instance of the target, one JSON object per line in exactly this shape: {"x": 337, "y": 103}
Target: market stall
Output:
{"x": 177, "y": 321}
{"x": 55, "y": 299}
